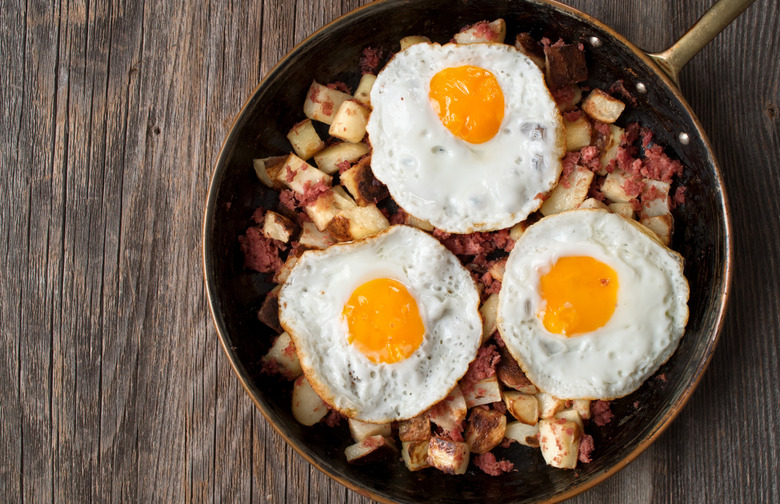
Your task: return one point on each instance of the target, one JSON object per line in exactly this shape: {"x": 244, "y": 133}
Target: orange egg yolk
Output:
{"x": 469, "y": 102}
{"x": 579, "y": 295}
{"x": 384, "y": 322}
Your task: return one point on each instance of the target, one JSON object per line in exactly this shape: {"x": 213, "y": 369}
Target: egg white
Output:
{"x": 310, "y": 309}
{"x": 644, "y": 330}
{"x": 455, "y": 185}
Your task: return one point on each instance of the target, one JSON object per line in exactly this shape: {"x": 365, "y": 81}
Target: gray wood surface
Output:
{"x": 113, "y": 386}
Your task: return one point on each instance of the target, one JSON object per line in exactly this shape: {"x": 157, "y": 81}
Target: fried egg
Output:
{"x": 384, "y": 327}
{"x": 591, "y": 304}
{"x": 466, "y": 137}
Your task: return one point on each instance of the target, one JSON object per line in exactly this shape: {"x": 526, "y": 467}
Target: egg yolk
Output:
{"x": 579, "y": 295}
{"x": 469, "y": 102}
{"x": 384, "y": 321}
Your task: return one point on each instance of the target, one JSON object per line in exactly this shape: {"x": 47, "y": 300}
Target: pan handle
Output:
{"x": 710, "y": 24}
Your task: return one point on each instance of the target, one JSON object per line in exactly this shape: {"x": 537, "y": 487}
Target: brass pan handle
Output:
{"x": 699, "y": 35}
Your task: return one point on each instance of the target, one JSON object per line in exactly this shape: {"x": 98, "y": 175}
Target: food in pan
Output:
{"x": 385, "y": 326}
{"x": 465, "y": 136}
{"x": 611, "y": 172}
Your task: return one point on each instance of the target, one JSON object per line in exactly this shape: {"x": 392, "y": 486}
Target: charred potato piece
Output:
{"x": 485, "y": 430}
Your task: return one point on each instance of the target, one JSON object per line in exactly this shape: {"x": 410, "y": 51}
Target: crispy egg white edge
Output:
{"x": 550, "y": 384}
{"x": 311, "y": 362}
{"x": 454, "y": 217}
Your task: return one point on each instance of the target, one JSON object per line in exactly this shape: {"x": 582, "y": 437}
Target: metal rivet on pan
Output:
{"x": 684, "y": 138}
{"x": 595, "y": 41}
{"x": 640, "y": 86}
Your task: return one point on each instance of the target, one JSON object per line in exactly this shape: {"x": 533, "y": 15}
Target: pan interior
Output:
{"x": 333, "y": 54}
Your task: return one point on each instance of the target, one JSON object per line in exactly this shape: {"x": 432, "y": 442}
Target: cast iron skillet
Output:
{"x": 701, "y": 235}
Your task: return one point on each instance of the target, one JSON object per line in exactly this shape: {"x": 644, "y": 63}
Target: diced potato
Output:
{"x": 568, "y": 195}
{"x": 661, "y": 225}
{"x": 448, "y": 456}
{"x": 411, "y": 40}
{"x": 593, "y": 204}
{"x": 332, "y": 158}
{"x": 268, "y": 313}
{"x": 322, "y": 102}
{"x": 415, "y": 429}
{"x": 577, "y": 133}
{"x": 497, "y": 269}
{"x": 613, "y": 187}
{"x": 350, "y": 121}
{"x": 312, "y": 237}
{"x": 415, "y": 454}
{"x": 516, "y": 231}
{"x": 295, "y": 173}
{"x": 363, "y": 91}
{"x": 307, "y": 407}
{"x": 602, "y": 107}
{"x": 281, "y": 276}
{"x": 370, "y": 450}
{"x": 282, "y": 354}
{"x": 263, "y": 169}
{"x": 482, "y": 32}
{"x": 485, "y": 430}
{"x": 304, "y": 139}
{"x": 325, "y": 208}
{"x": 359, "y": 180}
{"x": 582, "y": 407}
{"x": 559, "y": 440}
{"x": 489, "y": 311}
{"x": 411, "y": 220}
{"x": 356, "y": 223}
{"x": 572, "y": 416}
{"x": 450, "y": 412}
{"x": 278, "y": 227}
{"x": 609, "y": 150}
{"x": 564, "y": 65}
{"x": 622, "y": 208}
{"x": 509, "y": 373}
{"x": 566, "y": 101}
{"x": 526, "y": 435}
{"x": 362, "y": 430}
{"x": 524, "y": 407}
{"x": 655, "y": 199}
{"x": 549, "y": 405}
{"x": 484, "y": 392}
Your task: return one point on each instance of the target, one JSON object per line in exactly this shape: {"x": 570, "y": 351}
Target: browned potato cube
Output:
{"x": 331, "y": 159}
{"x": 297, "y": 173}
{"x": 602, "y": 107}
{"x": 362, "y": 430}
{"x": 661, "y": 225}
{"x": 322, "y": 102}
{"x": 526, "y": 435}
{"x": 609, "y": 150}
{"x": 571, "y": 415}
{"x": 484, "y": 392}
{"x": 614, "y": 187}
{"x": 312, "y": 237}
{"x": 363, "y": 91}
{"x": 622, "y": 208}
{"x": 304, "y": 139}
{"x": 593, "y": 204}
{"x": 450, "y": 412}
{"x": 510, "y": 374}
{"x": 415, "y": 454}
{"x": 281, "y": 276}
{"x": 268, "y": 313}
{"x": 577, "y": 133}
{"x": 569, "y": 193}
{"x": 655, "y": 199}
{"x": 529, "y": 46}
{"x": 362, "y": 185}
{"x": 370, "y": 450}
{"x": 448, "y": 456}
{"x": 325, "y": 208}
{"x": 411, "y": 40}
{"x": 307, "y": 407}
{"x": 415, "y": 429}
{"x": 483, "y": 31}
{"x": 489, "y": 310}
{"x": 358, "y": 222}
{"x": 278, "y": 227}
{"x": 350, "y": 121}
{"x": 549, "y": 405}
{"x": 485, "y": 430}
{"x": 264, "y": 169}
{"x": 559, "y": 440}
{"x": 282, "y": 354}
{"x": 524, "y": 407}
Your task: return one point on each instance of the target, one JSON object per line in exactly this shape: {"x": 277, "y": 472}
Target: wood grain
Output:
{"x": 114, "y": 388}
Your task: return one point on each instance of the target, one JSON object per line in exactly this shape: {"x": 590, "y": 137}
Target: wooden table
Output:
{"x": 114, "y": 386}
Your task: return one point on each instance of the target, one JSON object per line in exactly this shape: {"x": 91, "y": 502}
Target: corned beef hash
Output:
{"x": 470, "y": 252}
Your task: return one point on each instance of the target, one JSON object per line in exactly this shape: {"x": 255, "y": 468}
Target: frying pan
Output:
{"x": 701, "y": 234}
